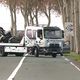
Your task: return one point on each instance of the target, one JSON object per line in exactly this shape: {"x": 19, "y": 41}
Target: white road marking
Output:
{"x": 11, "y": 77}
{"x": 75, "y": 66}
{"x": 66, "y": 59}
{"x": 71, "y": 63}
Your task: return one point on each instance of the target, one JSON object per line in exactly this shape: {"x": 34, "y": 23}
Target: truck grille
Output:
{"x": 54, "y": 47}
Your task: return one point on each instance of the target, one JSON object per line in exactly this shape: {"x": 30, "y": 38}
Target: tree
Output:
{"x": 77, "y": 24}
{"x": 12, "y": 7}
{"x": 30, "y": 10}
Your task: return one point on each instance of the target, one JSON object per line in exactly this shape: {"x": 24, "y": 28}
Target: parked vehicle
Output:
{"x": 66, "y": 47}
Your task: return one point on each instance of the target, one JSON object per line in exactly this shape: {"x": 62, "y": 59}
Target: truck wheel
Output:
{"x": 19, "y": 54}
{"x": 36, "y": 53}
{"x": 2, "y": 52}
{"x": 54, "y": 55}
{"x": 61, "y": 54}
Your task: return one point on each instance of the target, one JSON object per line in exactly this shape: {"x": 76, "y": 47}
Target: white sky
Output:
{"x": 5, "y": 20}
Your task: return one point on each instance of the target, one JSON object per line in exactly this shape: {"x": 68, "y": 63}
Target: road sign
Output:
{"x": 69, "y": 28}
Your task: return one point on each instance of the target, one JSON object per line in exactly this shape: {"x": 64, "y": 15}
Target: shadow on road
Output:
{"x": 42, "y": 56}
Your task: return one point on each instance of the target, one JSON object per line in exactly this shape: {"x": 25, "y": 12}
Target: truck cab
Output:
{"x": 44, "y": 40}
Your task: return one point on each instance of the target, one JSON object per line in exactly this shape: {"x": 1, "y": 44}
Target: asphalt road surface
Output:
{"x": 42, "y": 68}
{"x": 7, "y": 65}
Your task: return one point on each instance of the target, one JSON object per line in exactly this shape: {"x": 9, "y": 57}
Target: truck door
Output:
{"x": 39, "y": 38}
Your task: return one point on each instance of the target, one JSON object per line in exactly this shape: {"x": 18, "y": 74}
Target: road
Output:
{"x": 7, "y": 65}
{"x": 42, "y": 68}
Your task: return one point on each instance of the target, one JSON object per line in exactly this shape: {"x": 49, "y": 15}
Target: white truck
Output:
{"x": 44, "y": 40}
{"x": 36, "y": 40}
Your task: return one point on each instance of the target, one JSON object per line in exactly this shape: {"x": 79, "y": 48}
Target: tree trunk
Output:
{"x": 48, "y": 15}
{"x": 14, "y": 27}
{"x": 31, "y": 18}
{"x": 49, "y": 18}
{"x": 76, "y": 24}
{"x": 13, "y": 16}
{"x": 36, "y": 17}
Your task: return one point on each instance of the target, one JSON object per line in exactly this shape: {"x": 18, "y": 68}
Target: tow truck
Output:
{"x": 44, "y": 40}
{"x": 36, "y": 40}
{"x": 13, "y": 48}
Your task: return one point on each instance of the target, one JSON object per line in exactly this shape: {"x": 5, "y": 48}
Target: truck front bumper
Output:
{"x": 48, "y": 50}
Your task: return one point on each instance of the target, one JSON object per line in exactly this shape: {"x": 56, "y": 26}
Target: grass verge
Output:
{"x": 73, "y": 56}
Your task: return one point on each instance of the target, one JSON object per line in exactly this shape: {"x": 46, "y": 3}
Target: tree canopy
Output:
{"x": 31, "y": 9}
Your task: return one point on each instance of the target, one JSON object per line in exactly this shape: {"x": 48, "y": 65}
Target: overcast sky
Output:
{"x": 5, "y": 20}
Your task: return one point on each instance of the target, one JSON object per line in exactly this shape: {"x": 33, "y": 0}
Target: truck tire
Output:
{"x": 19, "y": 54}
{"x": 36, "y": 52}
{"x": 3, "y": 54}
{"x": 54, "y": 55}
{"x": 61, "y": 54}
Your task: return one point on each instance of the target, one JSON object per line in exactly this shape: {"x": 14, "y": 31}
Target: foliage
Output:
{"x": 30, "y": 10}
{"x": 73, "y": 56}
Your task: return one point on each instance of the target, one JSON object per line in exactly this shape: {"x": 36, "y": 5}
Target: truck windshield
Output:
{"x": 53, "y": 34}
